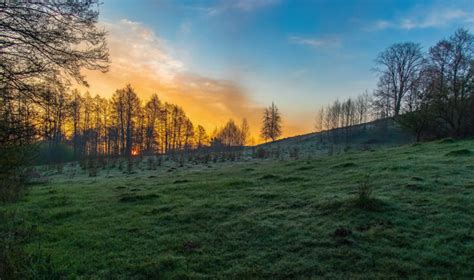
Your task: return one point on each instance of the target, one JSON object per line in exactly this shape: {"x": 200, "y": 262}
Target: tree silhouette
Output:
{"x": 399, "y": 66}
{"x": 271, "y": 127}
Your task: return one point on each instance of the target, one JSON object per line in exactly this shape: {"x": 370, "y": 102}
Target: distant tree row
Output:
{"x": 120, "y": 126}
{"x": 350, "y": 112}
{"x": 432, "y": 93}
{"x": 125, "y": 126}
{"x": 231, "y": 135}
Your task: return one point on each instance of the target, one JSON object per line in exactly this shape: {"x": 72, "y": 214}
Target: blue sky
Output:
{"x": 300, "y": 54}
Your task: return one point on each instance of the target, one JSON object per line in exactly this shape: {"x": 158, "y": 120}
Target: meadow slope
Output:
{"x": 263, "y": 218}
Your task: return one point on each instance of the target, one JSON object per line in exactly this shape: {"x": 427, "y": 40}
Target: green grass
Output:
{"x": 265, "y": 218}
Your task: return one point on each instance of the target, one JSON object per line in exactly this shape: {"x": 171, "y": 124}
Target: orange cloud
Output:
{"x": 142, "y": 59}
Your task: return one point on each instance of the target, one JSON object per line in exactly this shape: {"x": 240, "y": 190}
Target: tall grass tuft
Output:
{"x": 364, "y": 198}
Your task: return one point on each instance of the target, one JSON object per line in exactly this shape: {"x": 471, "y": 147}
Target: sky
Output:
{"x": 223, "y": 60}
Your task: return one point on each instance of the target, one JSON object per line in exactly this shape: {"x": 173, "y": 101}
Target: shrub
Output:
{"x": 83, "y": 164}
{"x": 13, "y": 233}
{"x": 294, "y": 152}
{"x": 93, "y": 167}
{"x": 102, "y": 162}
{"x": 129, "y": 165}
{"x": 261, "y": 152}
{"x": 112, "y": 163}
{"x": 364, "y": 193}
{"x": 207, "y": 158}
{"x": 60, "y": 168}
{"x": 151, "y": 163}
{"x": 57, "y": 154}
{"x": 13, "y": 160}
{"x": 331, "y": 150}
{"x": 276, "y": 152}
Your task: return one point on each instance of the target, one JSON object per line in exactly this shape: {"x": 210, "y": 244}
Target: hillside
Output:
{"x": 379, "y": 133}
{"x": 354, "y": 215}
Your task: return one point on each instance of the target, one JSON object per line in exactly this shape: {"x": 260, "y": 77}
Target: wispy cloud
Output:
{"x": 434, "y": 17}
{"x": 251, "y": 5}
{"x": 134, "y": 46}
{"x": 316, "y": 43}
{"x": 144, "y": 59}
{"x": 185, "y": 27}
{"x": 237, "y": 5}
{"x": 381, "y": 24}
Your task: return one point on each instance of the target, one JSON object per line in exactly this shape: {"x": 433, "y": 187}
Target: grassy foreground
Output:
{"x": 265, "y": 219}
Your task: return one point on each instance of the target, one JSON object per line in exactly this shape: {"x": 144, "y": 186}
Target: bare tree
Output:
{"x": 399, "y": 66}
{"x": 49, "y": 40}
{"x": 202, "y": 139}
{"x": 335, "y": 114}
{"x": 451, "y": 68}
{"x": 245, "y": 130}
{"x": 153, "y": 110}
{"x": 271, "y": 127}
{"x": 382, "y": 104}
{"x": 419, "y": 114}
{"x": 75, "y": 107}
{"x": 230, "y": 135}
{"x": 362, "y": 104}
{"x": 188, "y": 137}
{"x": 319, "y": 124}
{"x": 54, "y": 107}
{"x": 126, "y": 110}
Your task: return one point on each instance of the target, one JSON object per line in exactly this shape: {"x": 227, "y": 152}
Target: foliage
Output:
{"x": 434, "y": 91}
{"x": 49, "y": 41}
{"x": 61, "y": 153}
{"x": 16, "y": 152}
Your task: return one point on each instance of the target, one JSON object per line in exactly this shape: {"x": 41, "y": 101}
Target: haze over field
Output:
{"x": 228, "y": 59}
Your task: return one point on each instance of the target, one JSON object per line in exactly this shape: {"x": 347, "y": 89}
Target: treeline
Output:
{"x": 431, "y": 94}
{"x": 340, "y": 114}
{"x": 42, "y": 43}
{"x": 123, "y": 125}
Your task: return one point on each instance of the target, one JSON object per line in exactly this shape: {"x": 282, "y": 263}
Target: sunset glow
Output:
{"x": 219, "y": 61}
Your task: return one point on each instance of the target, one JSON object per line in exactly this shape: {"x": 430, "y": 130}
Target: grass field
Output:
{"x": 264, "y": 218}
